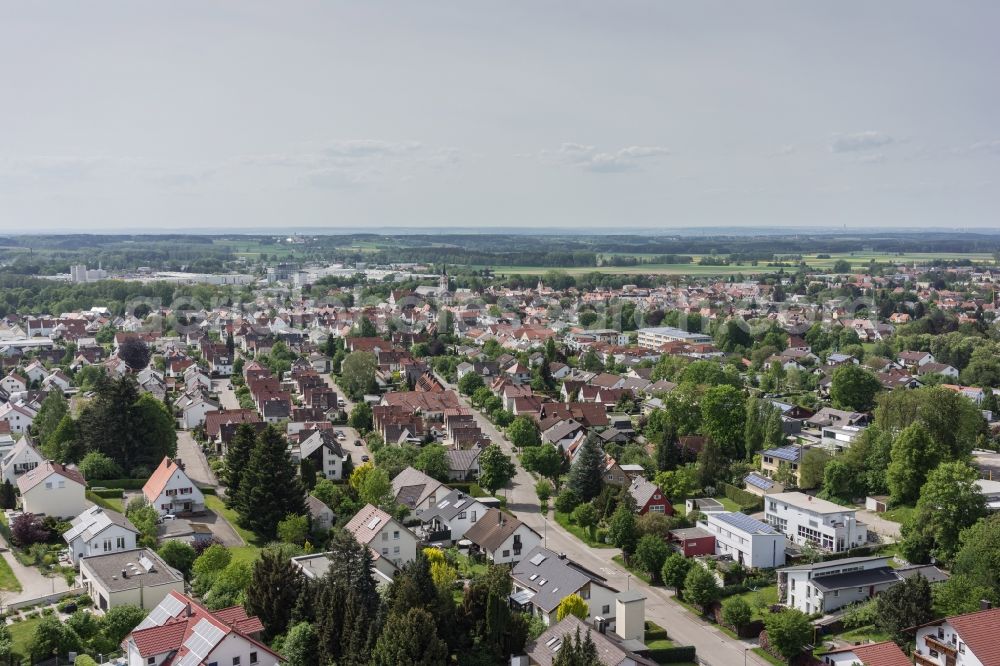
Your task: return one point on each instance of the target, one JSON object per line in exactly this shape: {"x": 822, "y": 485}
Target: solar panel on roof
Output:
{"x": 746, "y": 523}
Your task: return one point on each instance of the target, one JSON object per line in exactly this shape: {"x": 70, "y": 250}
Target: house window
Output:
{"x": 472, "y": 517}
{"x": 395, "y": 550}
{"x": 605, "y": 610}
{"x": 151, "y": 660}
{"x": 656, "y": 508}
{"x": 48, "y": 485}
{"x": 253, "y": 657}
{"x": 395, "y": 534}
{"x": 461, "y": 516}
{"x": 385, "y": 536}
{"x": 506, "y": 553}
{"x": 165, "y": 507}
{"x": 120, "y": 543}
{"x": 385, "y": 551}
{"x": 236, "y": 661}
{"x": 107, "y": 545}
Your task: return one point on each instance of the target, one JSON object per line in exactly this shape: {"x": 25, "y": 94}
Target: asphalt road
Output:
{"x": 195, "y": 462}
{"x": 714, "y": 647}
{"x": 227, "y": 396}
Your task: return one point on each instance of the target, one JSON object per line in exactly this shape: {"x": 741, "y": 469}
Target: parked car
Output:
{"x": 364, "y": 458}
{"x": 357, "y": 442}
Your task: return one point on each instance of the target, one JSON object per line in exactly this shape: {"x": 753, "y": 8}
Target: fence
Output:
{"x": 46, "y": 600}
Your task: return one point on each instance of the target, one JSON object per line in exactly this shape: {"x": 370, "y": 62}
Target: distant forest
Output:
{"x": 48, "y": 255}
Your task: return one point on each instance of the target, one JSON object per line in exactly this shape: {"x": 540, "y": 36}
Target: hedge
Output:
{"x": 108, "y": 493}
{"x": 672, "y": 655}
{"x": 747, "y": 500}
{"x": 125, "y": 484}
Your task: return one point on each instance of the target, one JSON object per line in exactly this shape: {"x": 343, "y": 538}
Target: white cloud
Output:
{"x": 859, "y": 141}
{"x": 992, "y": 147}
{"x": 629, "y": 158}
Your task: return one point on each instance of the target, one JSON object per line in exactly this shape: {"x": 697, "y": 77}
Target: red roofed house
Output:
{"x": 181, "y": 631}
{"x": 870, "y": 654}
{"x": 649, "y": 498}
{"x": 171, "y": 491}
{"x": 52, "y": 489}
{"x": 960, "y": 640}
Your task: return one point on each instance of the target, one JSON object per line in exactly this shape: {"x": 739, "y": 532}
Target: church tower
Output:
{"x": 443, "y": 280}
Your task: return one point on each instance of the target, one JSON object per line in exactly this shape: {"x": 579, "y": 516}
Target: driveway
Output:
{"x": 878, "y": 524}
{"x": 33, "y": 583}
{"x": 195, "y": 462}
{"x": 714, "y": 647}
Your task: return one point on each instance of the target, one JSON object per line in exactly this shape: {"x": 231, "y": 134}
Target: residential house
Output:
{"x": 323, "y": 450}
{"x": 824, "y": 587}
{"x": 750, "y": 542}
{"x": 320, "y": 514}
{"x": 886, "y": 653}
{"x": 544, "y": 577}
{"x": 960, "y": 640}
{"x": 758, "y": 484}
{"x": 387, "y": 538}
{"x": 182, "y": 631}
{"x": 502, "y": 538}
{"x": 649, "y": 498}
{"x": 451, "y": 517}
{"x": 14, "y": 382}
{"x": 171, "y": 491}
{"x": 52, "y": 489}
{"x": 97, "y": 531}
{"x": 806, "y": 519}
{"x": 194, "y": 409}
{"x": 23, "y": 457}
{"x": 137, "y": 577}
{"x": 19, "y": 415}
{"x": 417, "y": 491}
{"x": 772, "y": 461}
{"x": 613, "y": 649}
{"x": 463, "y": 464}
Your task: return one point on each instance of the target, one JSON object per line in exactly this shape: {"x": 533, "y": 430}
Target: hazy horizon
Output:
{"x": 598, "y": 116}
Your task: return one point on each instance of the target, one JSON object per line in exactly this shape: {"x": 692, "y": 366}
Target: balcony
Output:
{"x": 935, "y": 643}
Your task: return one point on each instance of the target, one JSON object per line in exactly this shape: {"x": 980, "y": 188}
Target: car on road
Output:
{"x": 357, "y": 442}
{"x": 167, "y": 516}
{"x": 341, "y": 402}
{"x": 339, "y": 434}
{"x": 364, "y": 458}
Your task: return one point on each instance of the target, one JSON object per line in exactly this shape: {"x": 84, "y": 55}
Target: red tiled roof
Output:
{"x": 158, "y": 480}
{"x": 979, "y": 630}
{"x": 157, "y": 640}
{"x": 881, "y": 654}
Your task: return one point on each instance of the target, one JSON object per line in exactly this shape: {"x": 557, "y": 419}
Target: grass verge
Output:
{"x": 768, "y": 657}
{"x": 216, "y": 504}
{"x": 577, "y": 531}
{"x": 8, "y": 581}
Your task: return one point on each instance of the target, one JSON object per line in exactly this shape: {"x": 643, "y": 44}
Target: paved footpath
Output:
{"x": 714, "y": 647}
{"x": 33, "y": 583}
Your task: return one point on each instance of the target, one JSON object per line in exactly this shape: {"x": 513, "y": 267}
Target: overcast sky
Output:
{"x": 176, "y": 114}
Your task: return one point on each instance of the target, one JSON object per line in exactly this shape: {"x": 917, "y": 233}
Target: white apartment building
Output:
{"x": 747, "y": 540}
{"x": 806, "y": 519}
{"x": 653, "y": 338}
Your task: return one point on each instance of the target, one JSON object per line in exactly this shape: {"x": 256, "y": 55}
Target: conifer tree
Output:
{"x": 237, "y": 455}
{"x": 410, "y": 639}
{"x": 586, "y": 472}
{"x": 273, "y": 591}
{"x": 269, "y": 489}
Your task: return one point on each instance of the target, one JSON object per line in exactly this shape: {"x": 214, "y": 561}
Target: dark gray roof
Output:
{"x": 107, "y": 570}
{"x": 876, "y": 576}
{"x": 832, "y": 564}
{"x": 450, "y": 506}
{"x": 743, "y": 522}
{"x": 642, "y": 490}
{"x": 462, "y": 460}
{"x": 928, "y": 571}
{"x": 552, "y": 577}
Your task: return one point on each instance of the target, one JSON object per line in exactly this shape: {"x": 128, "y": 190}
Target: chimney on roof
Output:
{"x": 124, "y": 573}
{"x": 985, "y": 604}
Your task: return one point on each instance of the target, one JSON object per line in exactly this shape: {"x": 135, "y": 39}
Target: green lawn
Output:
{"x": 656, "y": 637}
{"x": 8, "y": 581}
{"x": 577, "y": 531}
{"x": 110, "y": 503}
{"x": 216, "y": 504}
{"x": 22, "y": 634}
{"x": 764, "y": 595}
{"x": 899, "y": 514}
